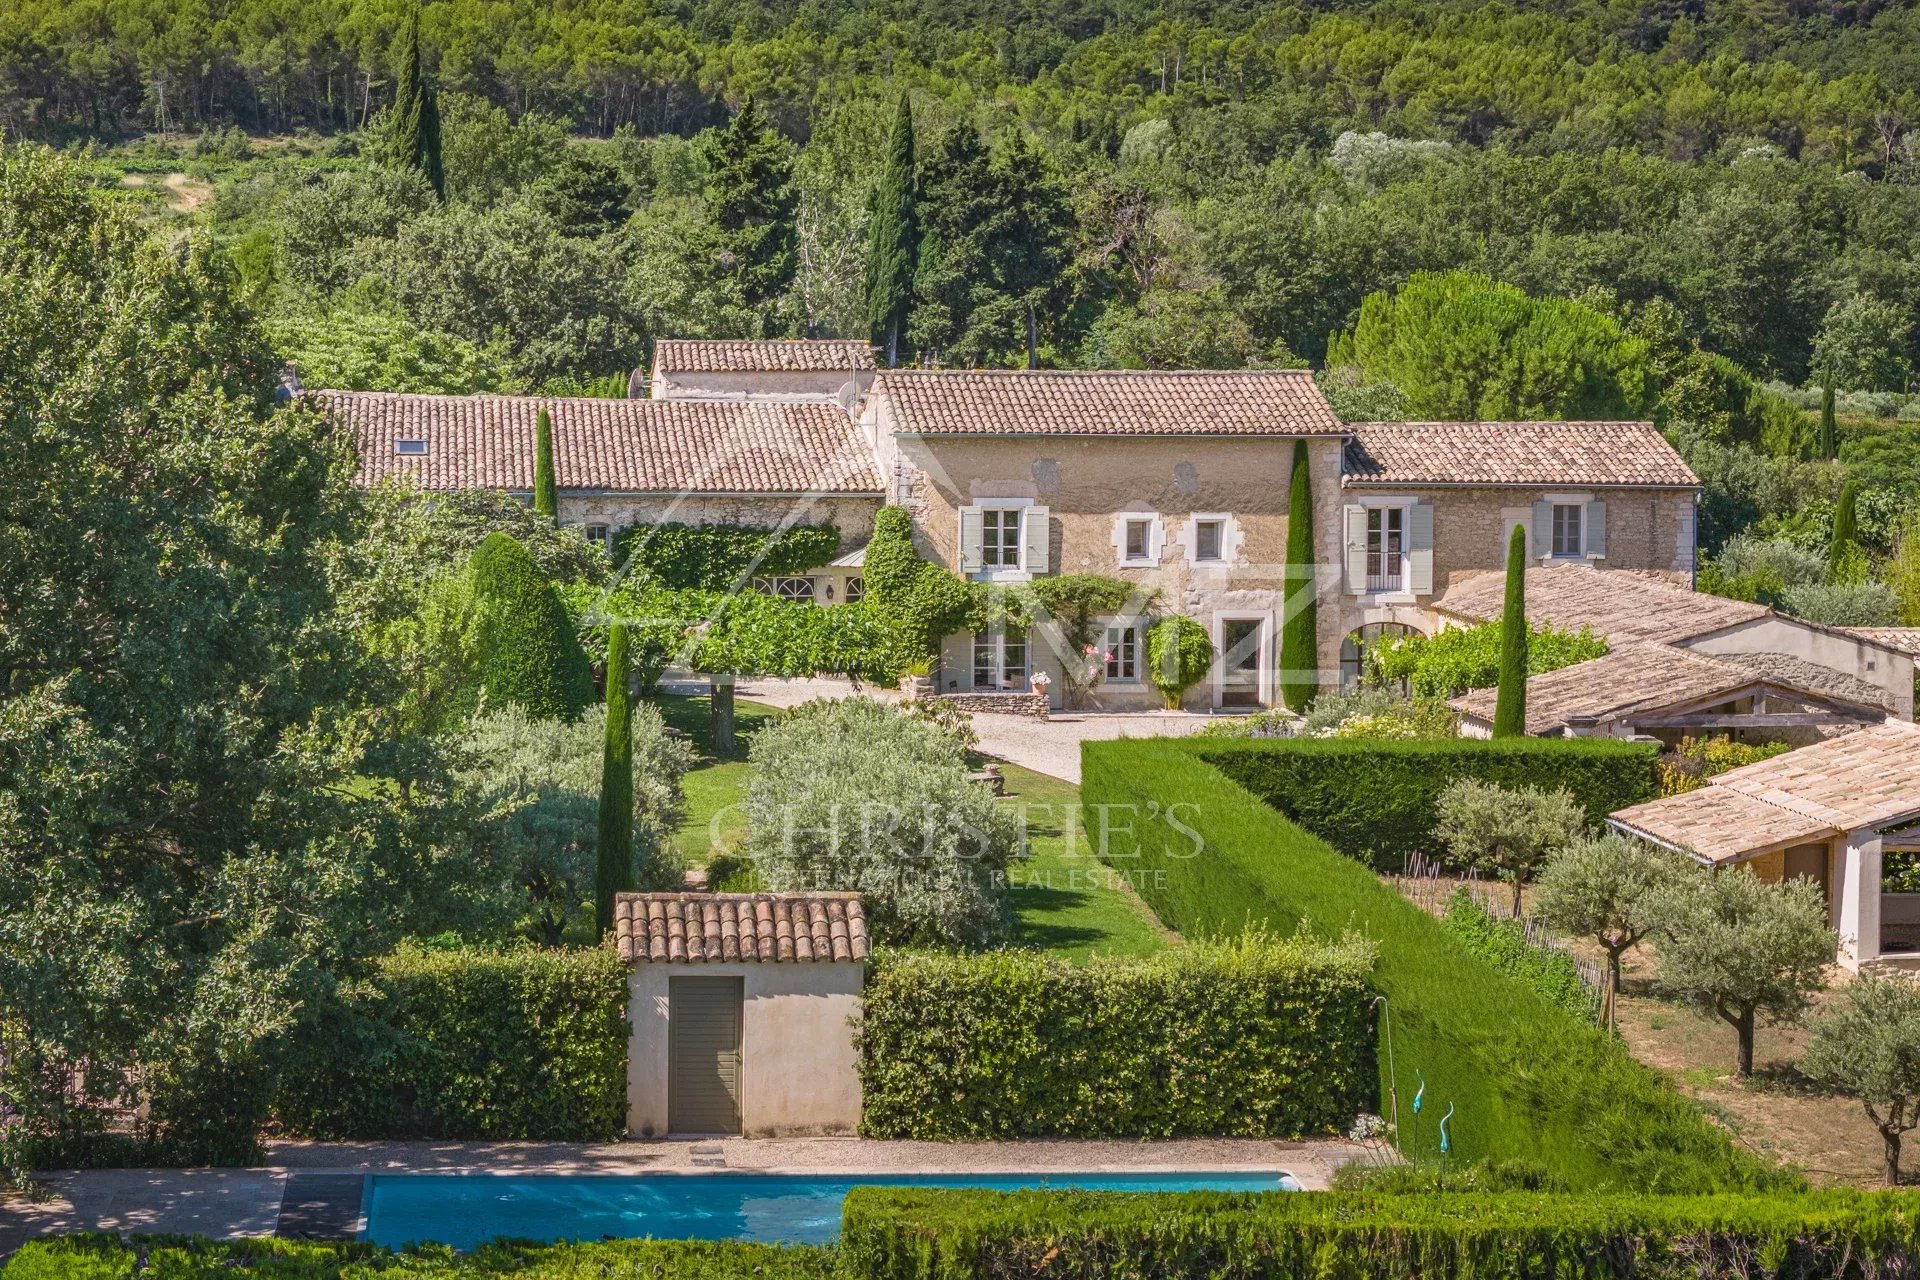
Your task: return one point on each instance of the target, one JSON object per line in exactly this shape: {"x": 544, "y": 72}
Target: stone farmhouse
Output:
{"x": 1177, "y": 481}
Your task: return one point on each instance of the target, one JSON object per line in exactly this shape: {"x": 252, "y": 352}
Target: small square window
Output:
{"x": 1566, "y": 529}
{"x": 597, "y": 534}
{"x": 1208, "y": 537}
{"x": 1000, "y": 537}
{"x": 1139, "y": 544}
{"x": 410, "y": 448}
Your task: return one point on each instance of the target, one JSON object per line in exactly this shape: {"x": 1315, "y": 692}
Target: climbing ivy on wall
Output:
{"x": 714, "y": 557}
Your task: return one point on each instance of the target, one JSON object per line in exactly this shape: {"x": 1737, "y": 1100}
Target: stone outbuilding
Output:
{"x": 743, "y": 1007}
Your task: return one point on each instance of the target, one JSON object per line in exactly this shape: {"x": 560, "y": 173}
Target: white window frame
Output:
{"x": 1120, "y": 653}
{"x": 604, "y": 538}
{"x": 1017, "y": 571}
{"x": 1266, "y": 655}
{"x": 786, "y": 586}
{"x": 1393, "y": 578}
{"x": 411, "y": 447}
{"x": 994, "y": 641}
{"x": 1404, "y": 503}
{"x": 1229, "y": 538}
{"x": 1000, "y": 535}
{"x": 1579, "y": 516}
{"x": 1156, "y": 539}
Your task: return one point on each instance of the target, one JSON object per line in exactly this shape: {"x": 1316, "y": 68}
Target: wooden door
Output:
{"x": 1240, "y": 649}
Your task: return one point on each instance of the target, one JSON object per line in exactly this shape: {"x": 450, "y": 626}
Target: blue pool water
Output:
{"x": 465, "y": 1210}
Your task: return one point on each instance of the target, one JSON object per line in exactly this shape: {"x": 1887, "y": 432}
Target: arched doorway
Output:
{"x": 1353, "y": 649}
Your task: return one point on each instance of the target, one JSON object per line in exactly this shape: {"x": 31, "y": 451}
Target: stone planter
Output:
{"x": 916, "y": 688}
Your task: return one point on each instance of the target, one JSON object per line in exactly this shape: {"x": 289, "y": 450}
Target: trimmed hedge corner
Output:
{"x": 899, "y": 1233}
{"x": 1528, "y": 1080}
{"x": 1260, "y": 1037}
{"x": 1373, "y": 799}
{"x": 518, "y": 1044}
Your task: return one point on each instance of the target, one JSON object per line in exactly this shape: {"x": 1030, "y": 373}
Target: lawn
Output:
{"x": 715, "y": 784}
{"x": 1065, "y": 900}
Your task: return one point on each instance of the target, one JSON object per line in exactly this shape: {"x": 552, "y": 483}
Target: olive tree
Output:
{"x": 855, "y": 794}
{"x": 1507, "y": 832}
{"x": 1868, "y": 1044}
{"x": 1746, "y": 949}
{"x": 1611, "y": 890}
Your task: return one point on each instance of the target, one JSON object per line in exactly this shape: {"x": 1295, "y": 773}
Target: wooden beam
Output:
{"x": 1750, "y": 720}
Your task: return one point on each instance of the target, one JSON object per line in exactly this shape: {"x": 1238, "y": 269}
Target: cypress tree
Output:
{"x": 546, "y": 496}
{"x": 1510, "y": 708}
{"x": 613, "y": 856}
{"x": 413, "y": 122}
{"x": 750, "y": 197}
{"x": 1846, "y": 526}
{"x": 1829, "y": 443}
{"x": 894, "y": 239}
{"x": 528, "y": 652}
{"x": 1299, "y": 644}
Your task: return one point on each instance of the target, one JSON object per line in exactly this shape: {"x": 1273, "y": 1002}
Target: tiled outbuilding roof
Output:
{"x": 774, "y": 355}
{"x": 1903, "y": 639}
{"x": 619, "y": 446}
{"x": 1868, "y": 779}
{"x": 1639, "y": 679}
{"x": 715, "y": 928}
{"x": 1624, "y": 607}
{"x": 1589, "y": 455}
{"x": 1050, "y": 402}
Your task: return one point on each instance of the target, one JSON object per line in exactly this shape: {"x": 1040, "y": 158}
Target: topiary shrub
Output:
{"x": 527, "y": 650}
{"x": 1179, "y": 655}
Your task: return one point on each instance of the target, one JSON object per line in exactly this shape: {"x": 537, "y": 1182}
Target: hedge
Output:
{"x": 897, "y": 1233}
{"x": 517, "y": 1044}
{"x": 105, "y": 1257}
{"x": 528, "y": 652}
{"x": 1374, "y": 799}
{"x": 1266, "y": 1037}
{"x": 1527, "y": 1080}
{"x": 715, "y": 557}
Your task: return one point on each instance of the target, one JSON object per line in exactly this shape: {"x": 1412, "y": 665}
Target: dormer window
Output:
{"x": 410, "y": 448}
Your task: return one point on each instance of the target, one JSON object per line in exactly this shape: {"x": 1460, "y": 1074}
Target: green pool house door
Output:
{"x": 703, "y": 1052}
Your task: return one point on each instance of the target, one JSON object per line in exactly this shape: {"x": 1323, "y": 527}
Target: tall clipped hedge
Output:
{"x": 1528, "y": 1080}
{"x": 911, "y": 1233}
{"x": 516, "y": 1044}
{"x": 715, "y": 557}
{"x": 528, "y": 652}
{"x": 1374, "y": 800}
{"x": 1265, "y": 1037}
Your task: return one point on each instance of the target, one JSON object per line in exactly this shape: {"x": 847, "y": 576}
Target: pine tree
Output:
{"x": 546, "y": 495}
{"x": 1510, "y": 707}
{"x": 893, "y": 239}
{"x": 1846, "y": 527}
{"x": 954, "y": 268}
{"x": 1299, "y": 643}
{"x": 1829, "y": 442}
{"x": 1033, "y": 239}
{"x": 413, "y": 122}
{"x": 613, "y": 857}
{"x": 750, "y": 198}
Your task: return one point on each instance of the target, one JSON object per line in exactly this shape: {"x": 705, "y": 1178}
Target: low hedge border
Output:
{"x": 469, "y": 1044}
{"x": 1260, "y": 1037}
{"x": 893, "y": 1233}
{"x": 1374, "y": 799}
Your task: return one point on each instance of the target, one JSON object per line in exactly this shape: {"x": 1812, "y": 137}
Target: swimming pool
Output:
{"x": 465, "y": 1210}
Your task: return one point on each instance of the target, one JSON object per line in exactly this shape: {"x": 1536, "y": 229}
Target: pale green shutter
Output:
{"x": 1355, "y": 523}
{"x": 1420, "y": 548}
{"x": 1596, "y": 531}
{"x": 1542, "y": 530}
{"x": 972, "y": 537}
{"x": 1036, "y": 532}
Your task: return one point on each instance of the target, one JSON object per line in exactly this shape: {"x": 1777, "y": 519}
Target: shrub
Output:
{"x": 514, "y": 1044}
{"x": 1372, "y": 712}
{"x": 718, "y": 557}
{"x": 1179, "y": 655}
{"x": 915, "y": 601}
{"x": 107, "y": 1257}
{"x": 1508, "y": 831}
{"x": 1375, "y": 800}
{"x": 1688, "y": 766}
{"x": 1750, "y": 568}
{"x": 1260, "y": 1037}
{"x": 855, "y": 794}
{"x": 911, "y": 1233}
{"x": 1503, "y": 944}
{"x": 1529, "y": 1081}
{"x": 428, "y": 531}
{"x": 1860, "y": 604}
{"x": 540, "y": 781}
{"x": 528, "y": 652}
{"x": 1456, "y": 659}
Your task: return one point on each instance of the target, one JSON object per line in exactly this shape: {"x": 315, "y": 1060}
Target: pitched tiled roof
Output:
{"x": 713, "y": 928}
{"x": 781, "y": 355}
{"x": 1866, "y": 779}
{"x": 1641, "y": 678}
{"x": 1586, "y": 454}
{"x": 1904, "y": 639}
{"x": 1258, "y": 402}
{"x": 1625, "y": 607}
{"x": 622, "y": 446}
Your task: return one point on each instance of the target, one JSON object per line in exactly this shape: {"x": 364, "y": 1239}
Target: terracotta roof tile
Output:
{"x": 1717, "y": 825}
{"x": 780, "y": 355}
{"x": 1587, "y": 454}
{"x": 1260, "y": 402}
{"x": 1623, "y": 606}
{"x": 621, "y": 446}
{"x": 715, "y": 928}
{"x": 1904, "y": 639}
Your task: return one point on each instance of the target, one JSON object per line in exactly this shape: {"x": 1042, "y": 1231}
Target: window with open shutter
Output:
{"x": 1420, "y": 548}
{"x": 1541, "y": 536}
{"x": 1355, "y": 522}
{"x": 1596, "y": 530}
{"x": 972, "y": 535}
{"x": 1038, "y": 535}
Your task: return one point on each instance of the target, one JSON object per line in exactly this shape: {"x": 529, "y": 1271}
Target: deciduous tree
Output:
{"x": 1509, "y": 832}
{"x": 1868, "y": 1044}
{"x": 1611, "y": 890}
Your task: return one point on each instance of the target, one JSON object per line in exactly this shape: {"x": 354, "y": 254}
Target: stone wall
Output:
{"x": 1006, "y": 704}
